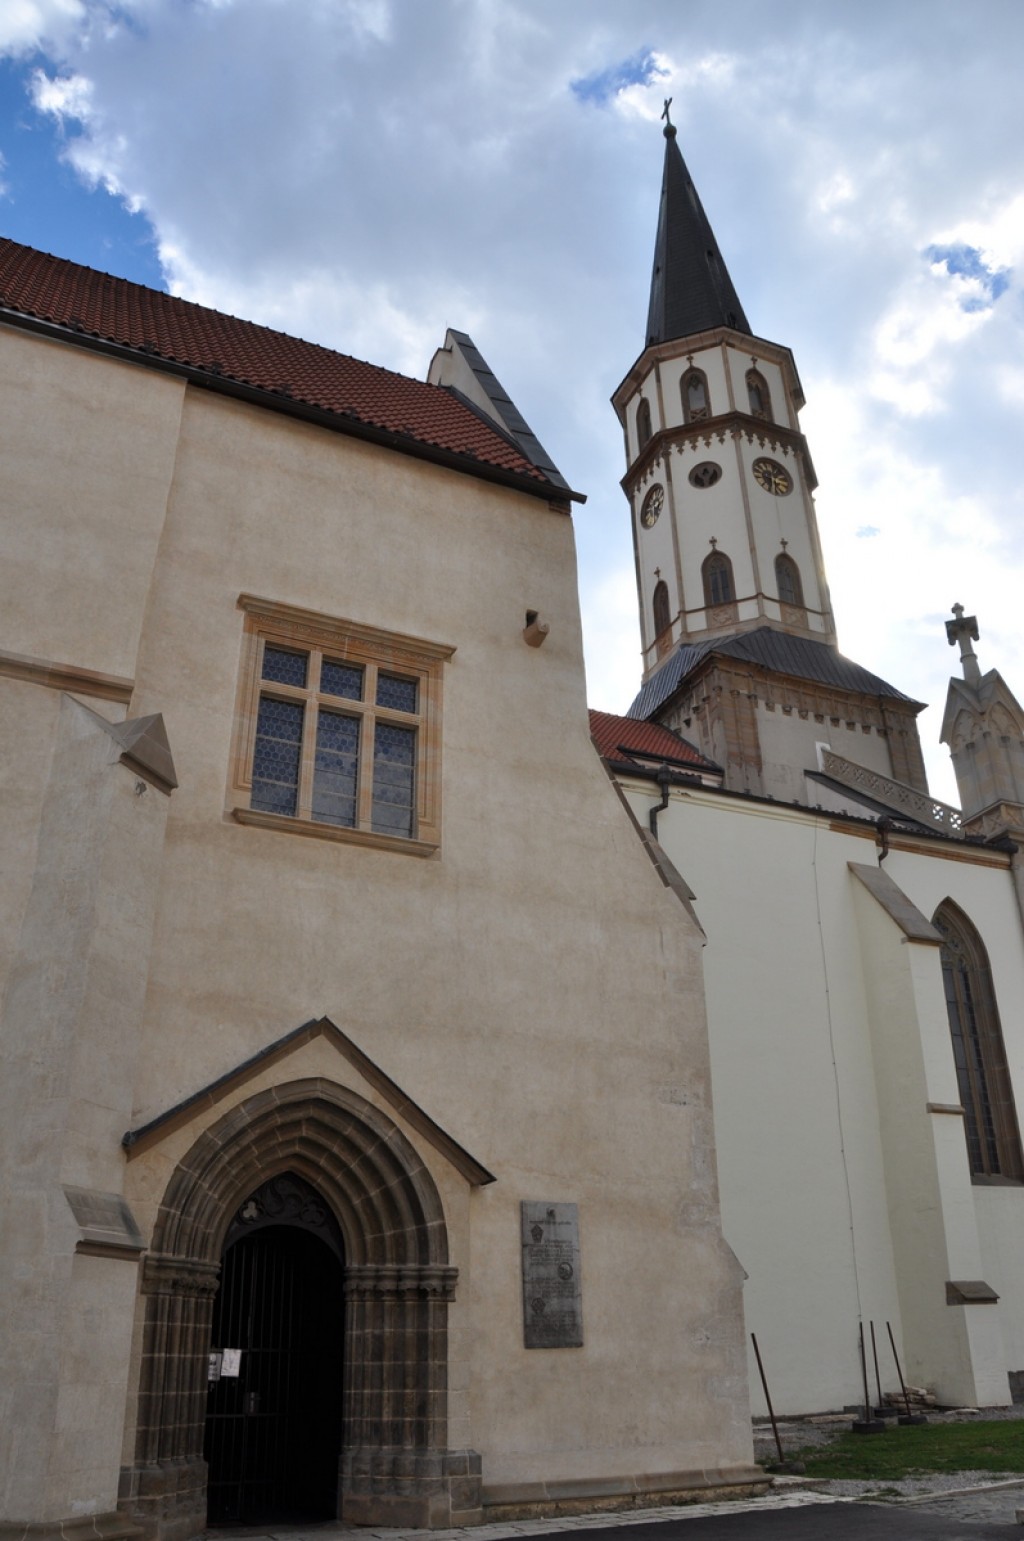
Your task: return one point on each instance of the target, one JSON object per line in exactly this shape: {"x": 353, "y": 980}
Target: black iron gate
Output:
{"x": 273, "y": 1426}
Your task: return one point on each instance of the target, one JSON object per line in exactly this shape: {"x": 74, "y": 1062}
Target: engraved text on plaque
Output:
{"x": 552, "y": 1306}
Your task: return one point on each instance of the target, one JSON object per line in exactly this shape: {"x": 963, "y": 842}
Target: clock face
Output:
{"x": 652, "y": 506}
{"x": 772, "y": 477}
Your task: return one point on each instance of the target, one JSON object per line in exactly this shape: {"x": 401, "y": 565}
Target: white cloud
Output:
{"x": 29, "y": 24}
{"x": 366, "y": 173}
{"x": 646, "y": 100}
{"x": 62, "y": 96}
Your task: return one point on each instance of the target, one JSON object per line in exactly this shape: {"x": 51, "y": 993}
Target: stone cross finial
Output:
{"x": 964, "y": 629}
{"x": 668, "y": 120}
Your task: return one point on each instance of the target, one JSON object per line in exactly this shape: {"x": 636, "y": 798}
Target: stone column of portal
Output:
{"x": 69, "y": 1025}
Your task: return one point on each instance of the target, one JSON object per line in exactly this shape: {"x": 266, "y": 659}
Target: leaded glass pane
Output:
{"x": 400, "y": 695}
{"x": 285, "y": 668}
{"x": 341, "y": 679}
{"x": 335, "y": 769}
{"x": 275, "y": 761}
{"x": 394, "y": 779}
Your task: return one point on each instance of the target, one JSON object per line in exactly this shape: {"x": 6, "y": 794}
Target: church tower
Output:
{"x": 738, "y": 637}
{"x": 720, "y": 478}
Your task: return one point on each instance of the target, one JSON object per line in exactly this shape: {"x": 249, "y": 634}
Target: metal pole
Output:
{"x": 874, "y": 1355}
{"x": 864, "y": 1373}
{"x": 899, "y": 1372}
{"x": 910, "y": 1417}
{"x": 767, "y": 1397}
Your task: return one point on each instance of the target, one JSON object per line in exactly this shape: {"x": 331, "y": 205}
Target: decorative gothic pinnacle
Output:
{"x": 964, "y": 629}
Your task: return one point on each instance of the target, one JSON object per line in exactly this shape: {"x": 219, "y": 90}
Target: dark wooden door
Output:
{"x": 273, "y": 1432}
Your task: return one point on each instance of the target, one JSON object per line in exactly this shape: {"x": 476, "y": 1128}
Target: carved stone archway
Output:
{"x": 396, "y": 1468}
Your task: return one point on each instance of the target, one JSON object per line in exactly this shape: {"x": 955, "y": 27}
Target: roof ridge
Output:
{"x": 212, "y": 310}
{"x": 95, "y": 309}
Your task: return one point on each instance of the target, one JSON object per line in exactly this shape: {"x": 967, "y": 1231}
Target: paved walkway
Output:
{"x": 787, "y": 1514}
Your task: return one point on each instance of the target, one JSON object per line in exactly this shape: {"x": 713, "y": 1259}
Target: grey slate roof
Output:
{"x": 691, "y": 290}
{"x": 775, "y": 651}
{"x": 518, "y": 429}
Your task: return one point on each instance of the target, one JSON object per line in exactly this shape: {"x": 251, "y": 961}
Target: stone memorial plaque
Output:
{"x": 552, "y": 1303}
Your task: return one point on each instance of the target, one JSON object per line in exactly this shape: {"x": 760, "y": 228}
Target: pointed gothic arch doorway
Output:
{"x": 395, "y": 1466}
{"x": 273, "y": 1414}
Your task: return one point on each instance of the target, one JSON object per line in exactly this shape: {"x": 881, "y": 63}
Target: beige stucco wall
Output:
{"x": 828, "y": 1038}
{"x": 533, "y": 987}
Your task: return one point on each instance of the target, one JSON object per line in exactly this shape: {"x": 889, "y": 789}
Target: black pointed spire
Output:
{"x": 691, "y": 290}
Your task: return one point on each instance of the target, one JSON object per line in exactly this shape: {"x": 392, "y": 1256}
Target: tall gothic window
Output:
{"x": 694, "y": 388}
{"x": 983, "y": 1078}
{"x": 717, "y": 574}
{"x": 662, "y": 617}
{"x": 757, "y": 395}
{"x": 787, "y": 580}
{"x": 643, "y": 423}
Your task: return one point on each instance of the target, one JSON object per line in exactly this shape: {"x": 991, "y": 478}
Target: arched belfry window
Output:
{"x": 719, "y": 588}
{"x": 643, "y": 423}
{"x": 787, "y": 580}
{"x": 662, "y": 617}
{"x": 696, "y": 402}
{"x": 758, "y": 395}
{"x": 983, "y": 1077}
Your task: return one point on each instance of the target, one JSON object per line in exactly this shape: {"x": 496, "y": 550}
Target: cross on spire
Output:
{"x": 964, "y": 629}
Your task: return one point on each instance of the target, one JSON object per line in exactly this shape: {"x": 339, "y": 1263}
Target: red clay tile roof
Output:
{"x": 626, "y": 738}
{"x": 159, "y": 325}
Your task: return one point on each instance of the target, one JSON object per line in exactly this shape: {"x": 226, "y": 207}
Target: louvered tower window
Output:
{"x": 758, "y": 395}
{"x": 643, "y": 423}
{"x": 719, "y": 588}
{"x": 694, "y": 388}
{"x": 662, "y": 617}
{"x": 787, "y": 580}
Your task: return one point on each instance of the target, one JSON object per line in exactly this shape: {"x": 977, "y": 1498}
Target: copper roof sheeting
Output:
{"x": 625, "y": 738}
{"x": 156, "y": 325}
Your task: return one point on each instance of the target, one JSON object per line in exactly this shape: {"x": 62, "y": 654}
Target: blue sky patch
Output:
{"x": 600, "y": 87}
{"x": 963, "y": 261}
{"x": 46, "y": 204}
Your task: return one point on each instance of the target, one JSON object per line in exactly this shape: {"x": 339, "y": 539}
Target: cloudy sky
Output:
{"x": 365, "y": 173}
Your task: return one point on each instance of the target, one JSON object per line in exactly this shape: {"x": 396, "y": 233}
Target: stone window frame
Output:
{"x": 979, "y": 1053}
{"x": 370, "y": 648}
{"x": 694, "y": 414}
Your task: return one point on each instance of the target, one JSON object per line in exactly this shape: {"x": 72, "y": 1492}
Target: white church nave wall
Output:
{"x": 801, "y": 1077}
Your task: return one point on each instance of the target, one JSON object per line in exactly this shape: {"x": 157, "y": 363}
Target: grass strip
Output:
{"x": 933, "y": 1447}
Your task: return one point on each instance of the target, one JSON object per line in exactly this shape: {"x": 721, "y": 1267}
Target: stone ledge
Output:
{"x": 536, "y": 1500}
{"x": 82, "y": 1527}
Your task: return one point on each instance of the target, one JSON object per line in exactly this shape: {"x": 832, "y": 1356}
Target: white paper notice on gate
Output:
{"x": 213, "y": 1373}
{"x": 231, "y": 1361}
